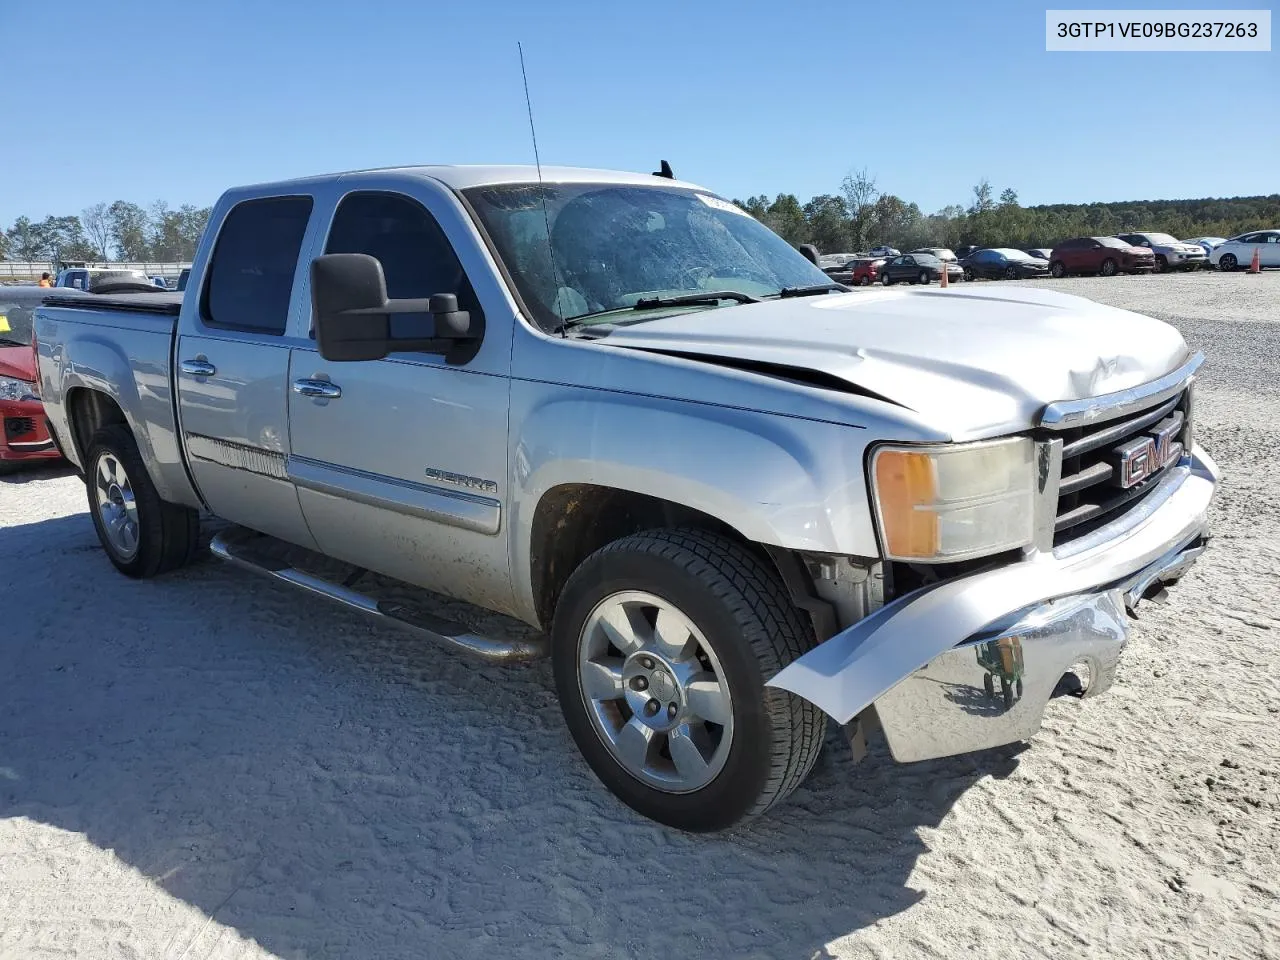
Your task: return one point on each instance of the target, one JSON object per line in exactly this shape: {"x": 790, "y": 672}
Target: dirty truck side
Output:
{"x": 729, "y": 498}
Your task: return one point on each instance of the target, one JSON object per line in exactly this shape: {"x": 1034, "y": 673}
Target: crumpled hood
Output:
{"x": 17, "y": 362}
{"x": 973, "y": 363}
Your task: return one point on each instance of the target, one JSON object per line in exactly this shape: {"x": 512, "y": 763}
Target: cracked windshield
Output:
{"x": 614, "y": 246}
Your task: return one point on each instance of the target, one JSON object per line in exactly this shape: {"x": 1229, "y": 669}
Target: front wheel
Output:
{"x": 865, "y": 280}
{"x": 661, "y": 645}
{"x": 142, "y": 534}
{"x": 1109, "y": 267}
{"x": 1057, "y": 270}
{"x": 1227, "y": 263}
{"x": 1162, "y": 264}
{"x": 1011, "y": 273}
{"x": 924, "y": 277}
{"x": 884, "y": 279}
{"x": 968, "y": 273}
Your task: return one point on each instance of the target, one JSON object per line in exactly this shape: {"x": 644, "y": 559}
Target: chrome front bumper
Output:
{"x": 927, "y": 660}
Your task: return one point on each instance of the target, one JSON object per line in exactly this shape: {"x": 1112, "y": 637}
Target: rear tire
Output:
{"x": 1057, "y": 270}
{"x": 884, "y": 279}
{"x": 1162, "y": 264}
{"x": 865, "y": 280}
{"x": 923, "y": 278}
{"x": 728, "y": 625}
{"x": 142, "y": 534}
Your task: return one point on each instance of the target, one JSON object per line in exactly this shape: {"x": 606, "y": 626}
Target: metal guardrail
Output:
{"x": 31, "y": 270}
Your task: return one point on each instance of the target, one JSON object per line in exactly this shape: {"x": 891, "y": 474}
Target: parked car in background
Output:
{"x": 1003, "y": 263}
{"x": 24, "y": 435}
{"x": 1105, "y": 255}
{"x": 1040, "y": 253}
{"x": 942, "y": 253}
{"x": 967, "y": 250}
{"x": 86, "y": 278}
{"x": 1208, "y": 243}
{"x": 917, "y": 268}
{"x": 182, "y": 279}
{"x": 160, "y": 283}
{"x": 835, "y": 261}
{"x": 1171, "y": 253}
{"x": 883, "y": 251}
{"x": 1238, "y": 251}
{"x": 859, "y": 272}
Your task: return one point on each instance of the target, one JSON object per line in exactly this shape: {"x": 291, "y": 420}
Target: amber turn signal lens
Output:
{"x": 905, "y": 482}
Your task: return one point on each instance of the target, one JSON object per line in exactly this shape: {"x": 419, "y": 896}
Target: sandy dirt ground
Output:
{"x": 208, "y": 765}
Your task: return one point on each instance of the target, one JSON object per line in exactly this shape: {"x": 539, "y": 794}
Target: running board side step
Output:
{"x": 238, "y": 550}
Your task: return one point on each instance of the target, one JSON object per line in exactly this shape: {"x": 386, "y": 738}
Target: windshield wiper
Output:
{"x": 714, "y": 296}
{"x": 655, "y": 303}
{"x": 14, "y": 343}
{"x": 786, "y": 292}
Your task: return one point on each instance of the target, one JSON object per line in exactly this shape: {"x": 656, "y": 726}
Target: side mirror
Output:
{"x": 352, "y": 315}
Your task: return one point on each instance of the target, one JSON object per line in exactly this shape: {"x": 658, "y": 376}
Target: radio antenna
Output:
{"x": 546, "y": 217}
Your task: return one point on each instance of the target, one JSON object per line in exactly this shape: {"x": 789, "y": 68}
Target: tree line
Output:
{"x": 108, "y": 231}
{"x": 860, "y": 217}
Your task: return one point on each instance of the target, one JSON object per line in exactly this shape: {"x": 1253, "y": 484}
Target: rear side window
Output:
{"x": 251, "y": 271}
{"x": 417, "y": 259}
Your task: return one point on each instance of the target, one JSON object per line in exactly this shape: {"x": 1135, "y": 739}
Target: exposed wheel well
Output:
{"x": 574, "y": 520}
{"x": 89, "y": 411}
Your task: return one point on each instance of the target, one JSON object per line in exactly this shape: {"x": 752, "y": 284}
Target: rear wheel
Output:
{"x": 924, "y": 277}
{"x": 142, "y": 534}
{"x": 968, "y": 273}
{"x": 884, "y": 279}
{"x": 1228, "y": 262}
{"x": 661, "y": 645}
{"x": 864, "y": 280}
{"x": 1162, "y": 264}
{"x": 1057, "y": 269}
{"x": 1109, "y": 267}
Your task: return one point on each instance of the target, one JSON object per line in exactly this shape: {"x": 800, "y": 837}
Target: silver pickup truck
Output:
{"x": 727, "y": 495}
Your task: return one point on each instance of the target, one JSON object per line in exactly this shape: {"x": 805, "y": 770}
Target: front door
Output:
{"x": 401, "y": 463}
{"x": 233, "y": 364}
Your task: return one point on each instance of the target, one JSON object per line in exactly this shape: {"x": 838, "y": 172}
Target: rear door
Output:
{"x": 1269, "y": 249}
{"x": 401, "y": 463}
{"x": 233, "y": 364}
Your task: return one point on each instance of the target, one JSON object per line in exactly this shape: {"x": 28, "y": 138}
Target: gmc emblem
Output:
{"x": 1143, "y": 456}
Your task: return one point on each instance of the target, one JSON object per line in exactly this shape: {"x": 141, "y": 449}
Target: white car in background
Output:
{"x": 884, "y": 251}
{"x": 1238, "y": 251}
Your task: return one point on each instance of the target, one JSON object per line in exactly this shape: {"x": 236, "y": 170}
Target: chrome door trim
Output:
{"x": 1071, "y": 413}
{"x": 455, "y": 508}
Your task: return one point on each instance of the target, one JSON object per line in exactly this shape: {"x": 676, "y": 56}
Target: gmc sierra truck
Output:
{"x": 728, "y": 497}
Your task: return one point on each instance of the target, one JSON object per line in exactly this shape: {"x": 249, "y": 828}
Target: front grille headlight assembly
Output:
{"x": 947, "y": 502}
{"x": 14, "y": 389}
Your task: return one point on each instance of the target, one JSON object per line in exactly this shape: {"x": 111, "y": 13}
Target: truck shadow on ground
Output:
{"x": 331, "y": 788}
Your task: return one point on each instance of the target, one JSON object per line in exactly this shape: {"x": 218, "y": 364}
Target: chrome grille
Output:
{"x": 1109, "y": 467}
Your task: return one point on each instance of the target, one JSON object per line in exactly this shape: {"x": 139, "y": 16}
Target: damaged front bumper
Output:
{"x": 971, "y": 663}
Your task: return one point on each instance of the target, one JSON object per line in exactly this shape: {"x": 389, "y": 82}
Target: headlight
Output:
{"x": 11, "y": 389}
{"x": 955, "y": 501}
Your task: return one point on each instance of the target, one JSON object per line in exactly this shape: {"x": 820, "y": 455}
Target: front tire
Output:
{"x": 1227, "y": 262}
{"x": 1057, "y": 270}
{"x": 884, "y": 279}
{"x": 142, "y": 534}
{"x": 661, "y": 645}
{"x": 1109, "y": 267}
{"x": 1162, "y": 264}
{"x": 924, "y": 277}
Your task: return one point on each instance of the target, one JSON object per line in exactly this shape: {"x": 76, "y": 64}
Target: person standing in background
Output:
{"x": 44, "y": 280}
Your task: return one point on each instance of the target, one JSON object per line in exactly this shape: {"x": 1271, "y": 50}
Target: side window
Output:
{"x": 417, "y": 259}
{"x": 251, "y": 271}
{"x": 908, "y": 261}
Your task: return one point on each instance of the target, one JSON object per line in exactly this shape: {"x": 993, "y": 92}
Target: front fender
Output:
{"x": 785, "y": 481}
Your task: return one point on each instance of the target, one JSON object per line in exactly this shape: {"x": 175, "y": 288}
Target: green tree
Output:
{"x": 860, "y": 194}
{"x": 129, "y": 229}
{"x": 97, "y": 227}
{"x": 827, "y": 223}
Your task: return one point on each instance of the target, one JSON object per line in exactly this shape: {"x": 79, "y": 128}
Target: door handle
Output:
{"x": 322, "y": 389}
{"x": 198, "y": 368}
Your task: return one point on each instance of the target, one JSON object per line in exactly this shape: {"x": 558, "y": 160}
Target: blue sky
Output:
{"x": 744, "y": 97}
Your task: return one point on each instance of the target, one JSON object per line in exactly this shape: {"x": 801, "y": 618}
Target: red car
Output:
{"x": 861, "y": 272}
{"x": 1105, "y": 255}
{"x": 24, "y": 436}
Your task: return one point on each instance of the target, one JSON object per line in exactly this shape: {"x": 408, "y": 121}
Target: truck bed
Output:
{"x": 168, "y": 304}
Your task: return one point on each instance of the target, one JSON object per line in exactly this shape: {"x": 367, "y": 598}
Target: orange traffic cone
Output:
{"x": 942, "y": 281}
{"x": 1256, "y": 265}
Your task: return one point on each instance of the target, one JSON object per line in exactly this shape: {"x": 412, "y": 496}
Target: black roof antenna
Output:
{"x": 664, "y": 171}
{"x": 546, "y": 218}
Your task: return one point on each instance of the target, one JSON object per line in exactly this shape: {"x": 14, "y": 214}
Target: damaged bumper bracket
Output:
{"x": 971, "y": 663}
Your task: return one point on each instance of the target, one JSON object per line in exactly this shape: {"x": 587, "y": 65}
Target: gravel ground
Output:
{"x": 208, "y": 765}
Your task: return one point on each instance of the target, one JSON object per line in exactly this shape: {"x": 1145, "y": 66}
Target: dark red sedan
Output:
{"x": 1103, "y": 255}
